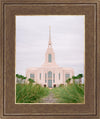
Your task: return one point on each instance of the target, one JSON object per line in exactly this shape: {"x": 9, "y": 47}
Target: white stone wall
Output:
{"x": 55, "y": 71}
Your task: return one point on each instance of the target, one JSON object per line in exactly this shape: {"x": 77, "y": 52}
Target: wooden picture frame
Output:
{"x": 8, "y": 10}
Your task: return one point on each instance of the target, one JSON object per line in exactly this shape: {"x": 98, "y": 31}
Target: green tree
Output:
{"x": 79, "y": 76}
{"x": 74, "y": 78}
{"x": 24, "y": 78}
{"x": 68, "y": 80}
{"x": 17, "y": 76}
{"x": 31, "y": 81}
{"x": 20, "y": 78}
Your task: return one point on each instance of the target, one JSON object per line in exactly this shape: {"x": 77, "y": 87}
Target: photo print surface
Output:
{"x": 50, "y": 59}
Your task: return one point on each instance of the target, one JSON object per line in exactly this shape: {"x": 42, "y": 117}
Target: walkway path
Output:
{"x": 49, "y": 99}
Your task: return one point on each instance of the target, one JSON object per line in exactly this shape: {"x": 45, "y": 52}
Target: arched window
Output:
{"x": 49, "y": 74}
{"x": 49, "y": 58}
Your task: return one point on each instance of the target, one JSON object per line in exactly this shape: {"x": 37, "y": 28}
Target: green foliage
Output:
{"x": 20, "y": 78}
{"x": 74, "y": 77}
{"x": 78, "y": 78}
{"x": 61, "y": 85}
{"x": 26, "y": 93}
{"x": 31, "y": 81}
{"x": 38, "y": 85}
{"x": 17, "y": 75}
{"x": 73, "y": 93}
{"x": 68, "y": 80}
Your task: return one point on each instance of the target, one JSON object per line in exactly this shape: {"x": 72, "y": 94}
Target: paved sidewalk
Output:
{"x": 49, "y": 99}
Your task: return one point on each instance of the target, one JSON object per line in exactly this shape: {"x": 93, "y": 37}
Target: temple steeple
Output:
{"x": 49, "y": 43}
{"x": 50, "y": 55}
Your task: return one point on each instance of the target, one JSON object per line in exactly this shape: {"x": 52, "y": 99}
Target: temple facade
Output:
{"x": 49, "y": 74}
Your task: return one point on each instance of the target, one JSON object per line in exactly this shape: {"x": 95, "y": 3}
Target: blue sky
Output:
{"x": 67, "y": 35}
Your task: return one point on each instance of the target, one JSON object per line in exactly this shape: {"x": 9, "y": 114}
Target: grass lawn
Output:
{"x": 28, "y": 93}
{"x": 72, "y": 93}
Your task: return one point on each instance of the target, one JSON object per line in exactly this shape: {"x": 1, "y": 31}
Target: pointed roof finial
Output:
{"x": 49, "y": 43}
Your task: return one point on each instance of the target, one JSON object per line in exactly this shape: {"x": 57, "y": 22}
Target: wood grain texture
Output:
{"x": 1, "y": 60}
{"x": 91, "y": 108}
{"x": 53, "y": 9}
{"x": 49, "y": 117}
{"x": 98, "y": 60}
{"x": 50, "y": 1}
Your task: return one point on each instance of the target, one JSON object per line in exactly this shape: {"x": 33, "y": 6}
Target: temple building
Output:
{"x": 49, "y": 74}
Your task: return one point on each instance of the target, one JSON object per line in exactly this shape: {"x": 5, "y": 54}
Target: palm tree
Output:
{"x": 79, "y": 76}
{"x": 17, "y": 76}
{"x": 74, "y": 77}
{"x": 31, "y": 81}
{"x": 22, "y": 78}
{"x": 68, "y": 80}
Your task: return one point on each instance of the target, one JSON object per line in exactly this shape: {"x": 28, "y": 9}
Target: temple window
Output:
{"x": 45, "y": 81}
{"x": 40, "y": 76}
{"x": 67, "y": 76}
{"x": 53, "y": 76}
{"x": 32, "y": 76}
{"x": 45, "y": 78}
{"x": 49, "y": 58}
{"x": 49, "y": 74}
{"x": 59, "y": 76}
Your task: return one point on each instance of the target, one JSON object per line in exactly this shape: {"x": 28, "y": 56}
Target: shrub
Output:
{"x": 68, "y": 80}
{"x": 26, "y": 93}
{"x": 73, "y": 93}
{"x": 61, "y": 85}
{"x": 31, "y": 80}
{"x": 38, "y": 85}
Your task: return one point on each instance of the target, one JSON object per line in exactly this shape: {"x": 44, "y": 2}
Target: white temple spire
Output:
{"x": 49, "y": 43}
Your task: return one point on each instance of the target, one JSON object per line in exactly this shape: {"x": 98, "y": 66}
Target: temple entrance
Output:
{"x": 49, "y": 83}
{"x": 50, "y": 79}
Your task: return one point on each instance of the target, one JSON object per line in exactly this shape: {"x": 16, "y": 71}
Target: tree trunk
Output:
{"x": 80, "y": 81}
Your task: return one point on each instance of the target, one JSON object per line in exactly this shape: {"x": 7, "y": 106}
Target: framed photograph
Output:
{"x": 53, "y": 83}
{"x": 49, "y": 59}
